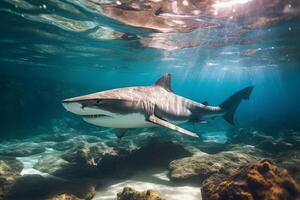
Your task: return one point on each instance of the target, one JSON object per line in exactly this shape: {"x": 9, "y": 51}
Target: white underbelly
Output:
{"x": 135, "y": 120}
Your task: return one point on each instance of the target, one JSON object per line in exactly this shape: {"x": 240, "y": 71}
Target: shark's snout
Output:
{"x": 74, "y": 107}
{"x": 83, "y": 107}
{"x": 78, "y": 105}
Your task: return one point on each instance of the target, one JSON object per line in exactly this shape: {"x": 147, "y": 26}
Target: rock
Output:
{"x": 116, "y": 165}
{"x": 87, "y": 153}
{"x": 157, "y": 154}
{"x": 36, "y": 187}
{"x": 269, "y": 144}
{"x": 56, "y": 165}
{"x": 213, "y": 147}
{"x": 131, "y": 194}
{"x": 54, "y": 137}
{"x": 247, "y": 136}
{"x": 199, "y": 167}
{"x": 100, "y": 159}
{"x": 291, "y": 161}
{"x": 10, "y": 168}
{"x": 5, "y": 185}
{"x": 63, "y": 146}
{"x": 50, "y": 164}
{"x": 75, "y": 142}
{"x": 292, "y": 138}
{"x": 32, "y": 187}
{"x": 80, "y": 189}
{"x": 275, "y": 146}
{"x": 64, "y": 197}
{"x": 260, "y": 181}
{"x": 153, "y": 155}
{"x": 22, "y": 149}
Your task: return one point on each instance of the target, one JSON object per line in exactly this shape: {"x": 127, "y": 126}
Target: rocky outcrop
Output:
{"x": 291, "y": 137}
{"x": 260, "y": 181}
{"x": 77, "y": 142}
{"x": 51, "y": 164}
{"x": 87, "y": 153}
{"x": 21, "y": 149}
{"x": 200, "y": 167}
{"x": 64, "y": 197}
{"x": 53, "y": 137}
{"x": 267, "y": 143}
{"x": 86, "y": 156}
{"x": 247, "y": 136}
{"x": 290, "y": 161}
{"x": 275, "y": 146}
{"x": 213, "y": 147}
{"x": 131, "y": 194}
{"x": 10, "y": 168}
{"x": 36, "y": 187}
{"x": 75, "y": 158}
{"x": 153, "y": 155}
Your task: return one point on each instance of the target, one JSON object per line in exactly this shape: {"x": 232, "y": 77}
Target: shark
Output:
{"x": 150, "y": 106}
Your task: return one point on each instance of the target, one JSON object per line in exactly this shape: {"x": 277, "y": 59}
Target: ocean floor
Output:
{"x": 150, "y": 179}
{"x": 154, "y": 180}
{"x": 173, "y": 167}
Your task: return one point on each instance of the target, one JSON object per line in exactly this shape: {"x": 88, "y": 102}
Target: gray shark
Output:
{"x": 149, "y": 106}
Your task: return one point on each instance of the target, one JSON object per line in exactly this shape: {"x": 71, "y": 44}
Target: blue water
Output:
{"x": 52, "y": 50}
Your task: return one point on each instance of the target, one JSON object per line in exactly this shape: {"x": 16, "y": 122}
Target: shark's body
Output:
{"x": 138, "y": 107}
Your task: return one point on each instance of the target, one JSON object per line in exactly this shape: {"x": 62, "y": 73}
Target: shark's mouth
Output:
{"x": 95, "y": 116}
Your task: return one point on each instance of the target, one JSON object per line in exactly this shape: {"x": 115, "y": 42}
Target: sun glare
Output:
{"x": 229, "y": 3}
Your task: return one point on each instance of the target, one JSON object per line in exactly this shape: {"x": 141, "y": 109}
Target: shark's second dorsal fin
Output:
{"x": 165, "y": 82}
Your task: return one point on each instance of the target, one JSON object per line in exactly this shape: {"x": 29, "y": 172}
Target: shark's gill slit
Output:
{"x": 95, "y": 116}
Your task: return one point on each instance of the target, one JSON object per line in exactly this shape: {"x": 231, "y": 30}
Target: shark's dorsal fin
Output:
{"x": 165, "y": 82}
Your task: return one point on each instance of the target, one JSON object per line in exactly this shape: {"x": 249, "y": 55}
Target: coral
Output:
{"x": 131, "y": 194}
{"x": 260, "y": 181}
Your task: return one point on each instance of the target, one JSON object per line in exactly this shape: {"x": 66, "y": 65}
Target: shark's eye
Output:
{"x": 98, "y": 101}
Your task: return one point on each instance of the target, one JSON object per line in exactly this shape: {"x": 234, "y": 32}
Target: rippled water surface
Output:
{"x": 51, "y": 50}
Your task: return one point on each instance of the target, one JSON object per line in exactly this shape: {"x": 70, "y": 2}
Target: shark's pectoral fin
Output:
{"x": 153, "y": 119}
{"x": 120, "y": 132}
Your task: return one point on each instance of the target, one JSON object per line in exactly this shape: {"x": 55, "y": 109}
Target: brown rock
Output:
{"x": 36, "y": 187}
{"x": 260, "y": 181}
{"x": 64, "y": 197}
{"x": 10, "y": 168}
{"x": 197, "y": 168}
{"x": 131, "y": 194}
{"x": 291, "y": 162}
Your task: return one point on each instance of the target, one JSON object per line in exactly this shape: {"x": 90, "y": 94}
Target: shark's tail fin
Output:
{"x": 230, "y": 105}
